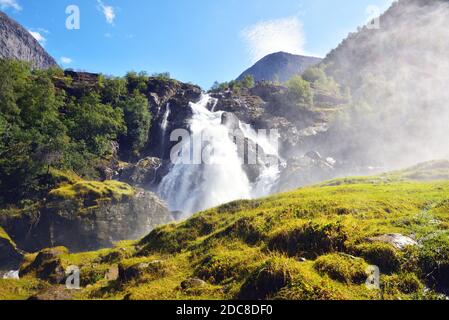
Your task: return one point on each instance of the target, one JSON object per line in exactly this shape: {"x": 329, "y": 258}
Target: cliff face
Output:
{"x": 80, "y": 227}
{"x": 17, "y": 43}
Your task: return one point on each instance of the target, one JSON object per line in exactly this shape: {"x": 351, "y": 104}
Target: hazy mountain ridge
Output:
{"x": 17, "y": 43}
{"x": 280, "y": 66}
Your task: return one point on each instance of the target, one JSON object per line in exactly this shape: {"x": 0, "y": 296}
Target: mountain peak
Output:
{"x": 17, "y": 43}
{"x": 279, "y": 66}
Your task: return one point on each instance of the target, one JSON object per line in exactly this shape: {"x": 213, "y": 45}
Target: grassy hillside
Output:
{"x": 313, "y": 243}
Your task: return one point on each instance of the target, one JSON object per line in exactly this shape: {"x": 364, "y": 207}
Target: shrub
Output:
{"x": 299, "y": 90}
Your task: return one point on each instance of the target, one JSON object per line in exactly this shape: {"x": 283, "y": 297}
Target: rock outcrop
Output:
{"x": 80, "y": 227}
{"x": 17, "y": 43}
{"x": 169, "y": 105}
{"x": 10, "y": 256}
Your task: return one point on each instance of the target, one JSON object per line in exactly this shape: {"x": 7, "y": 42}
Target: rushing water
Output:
{"x": 189, "y": 188}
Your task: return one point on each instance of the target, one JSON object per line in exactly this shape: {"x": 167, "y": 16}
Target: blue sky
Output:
{"x": 197, "y": 41}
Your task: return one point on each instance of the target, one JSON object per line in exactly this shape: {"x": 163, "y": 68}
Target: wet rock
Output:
{"x": 303, "y": 171}
{"x": 229, "y": 120}
{"x": 142, "y": 174}
{"x": 398, "y": 241}
{"x": 10, "y": 255}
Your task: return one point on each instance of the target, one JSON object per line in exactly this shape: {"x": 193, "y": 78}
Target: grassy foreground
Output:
{"x": 312, "y": 243}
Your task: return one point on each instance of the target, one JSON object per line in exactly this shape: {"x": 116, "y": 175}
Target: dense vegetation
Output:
{"x": 313, "y": 243}
{"x": 49, "y": 120}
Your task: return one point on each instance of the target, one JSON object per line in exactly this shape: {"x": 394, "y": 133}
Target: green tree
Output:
{"x": 137, "y": 81}
{"x": 94, "y": 123}
{"x": 138, "y": 121}
{"x": 299, "y": 91}
{"x": 113, "y": 90}
{"x": 248, "y": 82}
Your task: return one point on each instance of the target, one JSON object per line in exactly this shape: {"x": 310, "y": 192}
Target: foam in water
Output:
{"x": 189, "y": 188}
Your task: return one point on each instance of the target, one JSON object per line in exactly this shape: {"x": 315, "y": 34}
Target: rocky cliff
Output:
{"x": 86, "y": 216}
{"x": 17, "y": 43}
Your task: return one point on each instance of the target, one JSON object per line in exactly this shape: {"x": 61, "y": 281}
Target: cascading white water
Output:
{"x": 189, "y": 188}
{"x": 164, "y": 124}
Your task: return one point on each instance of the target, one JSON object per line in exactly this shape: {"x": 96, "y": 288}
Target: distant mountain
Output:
{"x": 280, "y": 66}
{"x": 17, "y": 43}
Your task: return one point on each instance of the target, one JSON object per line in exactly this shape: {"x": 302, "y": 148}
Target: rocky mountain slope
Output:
{"x": 280, "y": 66}
{"x": 397, "y": 76}
{"x": 17, "y": 43}
{"x": 313, "y": 243}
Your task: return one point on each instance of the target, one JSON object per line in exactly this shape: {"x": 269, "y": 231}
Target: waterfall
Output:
{"x": 189, "y": 188}
{"x": 164, "y": 126}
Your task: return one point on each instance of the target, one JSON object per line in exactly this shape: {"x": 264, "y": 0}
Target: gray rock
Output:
{"x": 142, "y": 174}
{"x": 192, "y": 283}
{"x": 17, "y": 43}
{"x": 71, "y": 224}
{"x": 398, "y": 241}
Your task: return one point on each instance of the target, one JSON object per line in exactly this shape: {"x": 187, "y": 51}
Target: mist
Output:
{"x": 398, "y": 76}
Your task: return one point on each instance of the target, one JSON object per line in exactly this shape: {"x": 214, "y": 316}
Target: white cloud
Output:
{"x": 38, "y": 36}
{"x": 65, "y": 60}
{"x": 6, "y": 4}
{"x": 271, "y": 36}
{"x": 108, "y": 11}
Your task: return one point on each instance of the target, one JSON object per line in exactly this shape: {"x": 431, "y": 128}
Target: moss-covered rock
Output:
{"x": 89, "y": 216}
{"x": 47, "y": 265}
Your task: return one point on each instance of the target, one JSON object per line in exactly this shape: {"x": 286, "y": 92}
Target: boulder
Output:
{"x": 47, "y": 266}
{"x": 192, "y": 283}
{"x": 82, "y": 224}
{"x": 397, "y": 240}
{"x": 142, "y": 174}
{"x": 127, "y": 273}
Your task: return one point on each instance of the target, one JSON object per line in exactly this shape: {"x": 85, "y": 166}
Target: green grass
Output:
{"x": 4, "y": 235}
{"x": 95, "y": 191}
{"x": 312, "y": 243}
